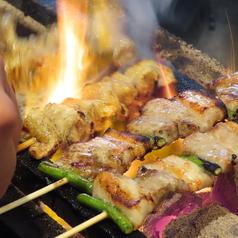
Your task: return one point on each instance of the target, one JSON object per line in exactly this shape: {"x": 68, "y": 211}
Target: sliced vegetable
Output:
{"x": 232, "y": 115}
{"x": 205, "y": 165}
{"x": 74, "y": 179}
{"x": 118, "y": 218}
{"x": 156, "y": 141}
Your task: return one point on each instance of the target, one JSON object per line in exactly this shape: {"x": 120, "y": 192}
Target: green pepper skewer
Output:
{"x": 119, "y": 219}
{"x": 74, "y": 179}
{"x": 205, "y": 165}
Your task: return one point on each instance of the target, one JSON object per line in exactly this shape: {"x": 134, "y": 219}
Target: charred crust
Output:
{"x": 123, "y": 111}
{"x": 108, "y": 130}
{"x": 221, "y": 105}
{"x": 233, "y": 158}
{"x": 130, "y": 148}
{"x": 143, "y": 169}
{"x": 91, "y": 125}
{"x": 81, "y": 114}
{"x": 140, "y": 158}
{"x": 25, "y": 129}
{"x": 141, "y": 138}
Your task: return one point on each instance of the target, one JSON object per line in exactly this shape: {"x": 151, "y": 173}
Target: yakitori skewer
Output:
{"x": 33, "y": 195}
{"x": 84, "y": 225}
{"x": 26, "y": 144}
{"x": 202, "y": 166}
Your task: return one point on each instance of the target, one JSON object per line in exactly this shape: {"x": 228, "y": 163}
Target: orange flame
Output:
{"x": 72, "y": 24}
{"x": 166, "y": 87}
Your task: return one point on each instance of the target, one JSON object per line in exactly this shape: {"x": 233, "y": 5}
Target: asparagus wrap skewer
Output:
{"x": 118, "y": 218}
{"x": 205, "y": 165}
{"x": 74, "y": 178}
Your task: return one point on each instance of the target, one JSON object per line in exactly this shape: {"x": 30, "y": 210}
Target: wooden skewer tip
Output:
{"x": 33, "y": 195}
{"x": 84, "y": 225}
{"x": 26, "y": 144}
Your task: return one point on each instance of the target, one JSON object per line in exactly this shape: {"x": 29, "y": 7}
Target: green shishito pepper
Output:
{"x": 206, "y": 166}
{"x": 84, "y": 185}
{"x": 74, "y": 179}
{"x": 232, "y": 115}
{"x": 118, "y": 218}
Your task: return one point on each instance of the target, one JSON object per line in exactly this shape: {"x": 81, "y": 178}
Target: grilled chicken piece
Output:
{"x": 226, "y": 88}
{"x": 219, "y": 145}
{"x": 180, "y": 116}
{"x": 138, "y": 197}
{"x": 55, "y": 126}
{"x": 118, "y": 98}
{"x": 113, "y": 151}
{"x": 127, "y": 92}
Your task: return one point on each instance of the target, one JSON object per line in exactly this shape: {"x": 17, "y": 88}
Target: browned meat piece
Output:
{"x": 138, "y": 197}
{"x": 183, "y": 169}
{"x": 179, "y": 116}
{"x": 55, "y": 126}
{"x": 114, "y": 151}
{"x": 220, "y": 144}
{"x": 226, "y": 88}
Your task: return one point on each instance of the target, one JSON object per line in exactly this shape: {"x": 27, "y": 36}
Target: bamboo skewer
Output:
{"x": 33, "y": 195}
{"x": 84, "y": 225}
{"x": 26, "y": 144}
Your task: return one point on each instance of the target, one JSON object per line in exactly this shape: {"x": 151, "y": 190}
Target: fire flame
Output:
{"x": 72, "y": 24}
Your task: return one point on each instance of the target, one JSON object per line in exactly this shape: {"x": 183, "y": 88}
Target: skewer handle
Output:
{"x": 26, "y": 144}
{"x": 33, "y": 195}
{"x": 84, "y": 225}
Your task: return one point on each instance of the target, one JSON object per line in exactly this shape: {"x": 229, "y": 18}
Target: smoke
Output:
{"x": 142, "y": 24}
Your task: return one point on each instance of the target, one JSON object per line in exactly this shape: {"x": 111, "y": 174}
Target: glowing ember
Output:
{"x": 72, "y": 21}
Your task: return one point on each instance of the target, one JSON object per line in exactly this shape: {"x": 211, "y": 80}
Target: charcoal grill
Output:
{"x": 29, "y": 220}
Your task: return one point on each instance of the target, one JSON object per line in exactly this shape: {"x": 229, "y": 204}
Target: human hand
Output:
{"x": 10, "y": 128}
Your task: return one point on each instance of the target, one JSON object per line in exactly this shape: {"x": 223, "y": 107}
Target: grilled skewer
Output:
{"x": 139, "y": 196}
{"x": 114, "y": 151}
{"x": 119, "y": 97}
{"x": 226, "y": 88}
{"x": 180, "y": 116}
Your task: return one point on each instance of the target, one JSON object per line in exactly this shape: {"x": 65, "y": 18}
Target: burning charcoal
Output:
{"x": 185, "y": 83}
{"x": 214, "y": 221}
{"x": 225, "y": 191}
{"x": 170, "y": 209}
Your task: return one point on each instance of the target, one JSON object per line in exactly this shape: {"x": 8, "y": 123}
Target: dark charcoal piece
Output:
{"x": 185, "y": 83}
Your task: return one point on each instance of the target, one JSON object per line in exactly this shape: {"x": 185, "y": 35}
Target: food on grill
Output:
{"x": 114, "y": 151}
{"x": 218, "y": 144}
{"x": 139, "y": 196}
{"x": 118, "y": 98}
{"x": 179, "y": 116}
{"x": 119, "y": 219}
{"x": 226, "y": 88}
{"x": 74, "y": 179}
